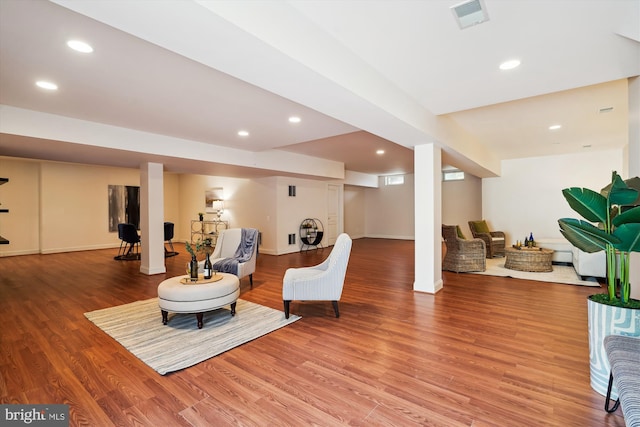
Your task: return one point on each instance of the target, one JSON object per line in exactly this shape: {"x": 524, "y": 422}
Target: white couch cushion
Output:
{"x": 590, "y": 264}
{"x": 560, "y": 246}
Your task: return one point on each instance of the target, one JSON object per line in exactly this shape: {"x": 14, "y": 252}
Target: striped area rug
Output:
{"x": 180, "y": 344}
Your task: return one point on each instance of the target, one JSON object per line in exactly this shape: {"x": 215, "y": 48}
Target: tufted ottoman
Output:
{"x": 197, "y": 298}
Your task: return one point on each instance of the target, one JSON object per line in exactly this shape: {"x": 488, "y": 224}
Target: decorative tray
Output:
{"x": 524, "y": 248}
{"x": 186, "y": 280}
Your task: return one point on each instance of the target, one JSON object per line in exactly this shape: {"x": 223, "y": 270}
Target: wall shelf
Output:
{"x": 4, "y": 241}
{"x": 311, "y": 233}
{"x": 207, "y": 230}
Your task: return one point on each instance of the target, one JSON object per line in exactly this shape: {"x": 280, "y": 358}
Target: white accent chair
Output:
{"x": 226, "y": 246}
{"x": 323, "y": 282}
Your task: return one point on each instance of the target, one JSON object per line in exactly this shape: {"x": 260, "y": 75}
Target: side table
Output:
{"x": 535, "y": 260}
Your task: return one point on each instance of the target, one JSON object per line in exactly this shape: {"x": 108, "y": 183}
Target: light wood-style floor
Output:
{"x": 485, "y": 351}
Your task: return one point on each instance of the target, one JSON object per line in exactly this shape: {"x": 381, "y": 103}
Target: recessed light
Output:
{"x": 80, "y": 46}
{"x": 294, "y": 119}
{"x": 243, "y": 133}
{"x": 510, "y": 64}
{"x": 46, "y": 85}
{"x": 380, "y": 152}
{"x": 555, "y": 127}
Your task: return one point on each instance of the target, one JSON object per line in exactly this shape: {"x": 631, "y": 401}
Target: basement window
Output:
{"x": 394, "y": 180}
{"x": 453, "y": 175}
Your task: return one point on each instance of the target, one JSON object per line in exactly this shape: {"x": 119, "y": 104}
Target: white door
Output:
{"x": 333, "y": 213}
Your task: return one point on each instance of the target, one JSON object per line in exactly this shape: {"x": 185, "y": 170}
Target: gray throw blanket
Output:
{"x": 248, "y": 238}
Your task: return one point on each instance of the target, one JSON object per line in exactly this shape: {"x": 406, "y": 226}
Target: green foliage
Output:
{"x": 590, "y": 205}
{"x": 194, "y": 249}
{"x": 585, "y": 236}
{"x": 617, "y": 302}
{"x": 618, "y": 232}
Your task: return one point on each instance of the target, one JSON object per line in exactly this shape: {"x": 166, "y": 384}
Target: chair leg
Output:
{"x": 608, "y": 398}
{"x": 286, "y": 308}
{"x": 251, "y": 280}
{"x": 335, "y": 308}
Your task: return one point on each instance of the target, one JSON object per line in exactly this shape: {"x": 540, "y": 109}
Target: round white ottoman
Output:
{"x": 177, "y": 297}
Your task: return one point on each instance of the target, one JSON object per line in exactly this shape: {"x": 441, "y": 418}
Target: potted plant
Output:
{"x": 194, "y": 250}
{"x": 615, "y": 211}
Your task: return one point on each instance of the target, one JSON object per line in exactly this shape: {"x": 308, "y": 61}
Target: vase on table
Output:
{"x": 193, "y": 268}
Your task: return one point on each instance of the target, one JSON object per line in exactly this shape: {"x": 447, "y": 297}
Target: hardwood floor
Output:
{"x": 485, "y": 351}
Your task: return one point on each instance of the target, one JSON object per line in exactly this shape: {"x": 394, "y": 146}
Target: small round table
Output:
{"x": 176, "y": 296}
{"x": 535, "y": 260}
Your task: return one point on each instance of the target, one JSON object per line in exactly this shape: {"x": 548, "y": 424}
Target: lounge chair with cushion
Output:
{"x": 493, "y": 240}
{"x": 463, "y": 255}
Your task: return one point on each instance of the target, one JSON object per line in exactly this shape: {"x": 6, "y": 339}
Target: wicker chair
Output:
{"x": 494, "y": 240}
{"x": 462, "y": 254}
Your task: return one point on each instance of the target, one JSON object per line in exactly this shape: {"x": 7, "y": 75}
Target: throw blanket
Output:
{"x": 248, "y": 238}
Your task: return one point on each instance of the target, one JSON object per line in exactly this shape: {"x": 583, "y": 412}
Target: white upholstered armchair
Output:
{"x": 229, "y": 253}
{"x": 322, "y": 282}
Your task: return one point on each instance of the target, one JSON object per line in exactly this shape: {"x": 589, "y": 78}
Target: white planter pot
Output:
{"x": 607, "y": 320}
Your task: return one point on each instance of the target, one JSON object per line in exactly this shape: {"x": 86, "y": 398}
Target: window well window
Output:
{"x": 452, "y": 175}
{"x": 394, "y": 180}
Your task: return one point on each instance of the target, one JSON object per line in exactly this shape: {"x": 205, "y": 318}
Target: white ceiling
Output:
{"x": 359, "y": 73}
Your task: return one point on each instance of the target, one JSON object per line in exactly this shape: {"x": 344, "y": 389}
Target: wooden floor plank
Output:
{"x": 485, "y": 351}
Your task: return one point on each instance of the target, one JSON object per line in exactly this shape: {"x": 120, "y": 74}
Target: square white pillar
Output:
{"x": 152, "y": 218}
{"x": 634, "y": 169}
{"x": 428, "y": 218}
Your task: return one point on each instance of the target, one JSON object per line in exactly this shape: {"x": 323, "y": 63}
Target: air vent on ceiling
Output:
{"x": 605, "y": 110}
{"x": 469, "y": 13}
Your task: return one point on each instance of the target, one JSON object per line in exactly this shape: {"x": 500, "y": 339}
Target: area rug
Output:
{"x": 180, "y": 344}
{"x": 561, "y": 274}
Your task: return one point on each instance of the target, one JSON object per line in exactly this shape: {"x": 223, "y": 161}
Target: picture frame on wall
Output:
{"x": 124, "y": 206}
{"x": 211, "y": 196}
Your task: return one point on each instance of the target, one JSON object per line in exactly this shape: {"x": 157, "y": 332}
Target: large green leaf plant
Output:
{"x": 616, "y": 213}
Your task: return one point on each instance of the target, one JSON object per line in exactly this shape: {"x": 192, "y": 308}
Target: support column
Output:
{"x": 152, "y": 218}
{"x": 428, "y": 218}
{"x": 634, "y": 169}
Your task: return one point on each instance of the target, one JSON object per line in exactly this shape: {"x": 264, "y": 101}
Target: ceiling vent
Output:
{"x": 605, "y": 110}
{"x": 470, "y": 13}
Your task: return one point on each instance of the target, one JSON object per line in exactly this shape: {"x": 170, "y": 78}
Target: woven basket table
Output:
{"x": 535, "y": 260}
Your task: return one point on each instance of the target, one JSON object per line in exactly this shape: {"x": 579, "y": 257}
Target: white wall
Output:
{"x": 62, "y": 207}
{"x": 462, "y": 202}
{"x": 171, "y": 182}
{"x": 264, "y": 202}
{"x": 528, "y": 196}
{"x": 21, "y": 195}
{"x": 243, "y": 204}
{"x": 390, "y": 210}
{"x": 74, "y": 205}
{"x": 310, "y": 201}
{"x": 354, "y": 211}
